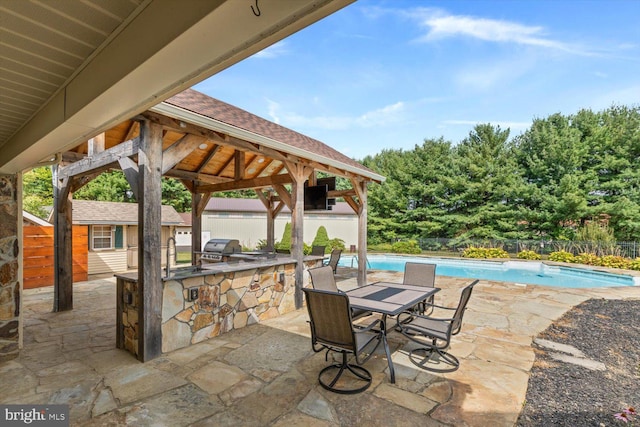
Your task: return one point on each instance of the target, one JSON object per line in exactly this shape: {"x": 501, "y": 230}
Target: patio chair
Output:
{"x": 332, "y": 329}
{"x": 322, "y": 278}
{"x": 421, "y": 274}
{"x": 434, "y": 334}
{"x": 334, "y": 258}
{"x": 318, "y": 250}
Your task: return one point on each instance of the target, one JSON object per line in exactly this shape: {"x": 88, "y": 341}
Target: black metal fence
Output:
{"x": 542, "y": 247}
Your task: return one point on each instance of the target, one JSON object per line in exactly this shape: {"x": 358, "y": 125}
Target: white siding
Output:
{"x": 107, "y": 261}
{"x": 249, "y": 228}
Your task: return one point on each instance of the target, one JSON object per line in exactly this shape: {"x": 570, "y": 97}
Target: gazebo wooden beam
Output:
{"x": 226, "y": 140}
{"x": 193, "y": 176}
{"x": 130, "y": 170}
{"x": 113, "y": 154}
{"x": 180, "y": 149}
{"x": 205, "y": 161}
{"x": 238, "y": 165}
{"x": 244, "y": 184}
{"x": 284, "y": 195}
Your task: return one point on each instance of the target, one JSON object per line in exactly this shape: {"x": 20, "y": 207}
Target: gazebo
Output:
{"x": 211, "y": 147}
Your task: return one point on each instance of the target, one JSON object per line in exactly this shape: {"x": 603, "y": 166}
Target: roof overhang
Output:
{"x": 165, "y": 48}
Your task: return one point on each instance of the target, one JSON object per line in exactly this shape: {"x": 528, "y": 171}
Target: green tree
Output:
{"x": 175, "y": 194}
{"x": 37, "y": 187}
{"x": 107, "y": 187}
{"x": 484, "y": 186}
{"x": 552, "y": 156}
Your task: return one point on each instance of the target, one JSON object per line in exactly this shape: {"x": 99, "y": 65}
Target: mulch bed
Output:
{"x": 564, "y": 394}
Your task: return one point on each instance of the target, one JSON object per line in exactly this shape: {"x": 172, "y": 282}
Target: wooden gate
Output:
{"x": 38, "y": 255}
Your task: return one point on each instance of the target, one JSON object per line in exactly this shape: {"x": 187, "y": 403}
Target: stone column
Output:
{"x": 9, "y": 268}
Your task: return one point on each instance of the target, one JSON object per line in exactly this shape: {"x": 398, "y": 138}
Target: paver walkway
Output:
{"x": 266, "y": 374}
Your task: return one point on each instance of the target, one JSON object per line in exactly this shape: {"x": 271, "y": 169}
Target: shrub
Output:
{"x": 561, "y": 256}
{"x": 614, "y": 261}
{"x": 473, "y": 252}
{"x": 406, "y": 247}
{"x": 634, "y": 264}
{"x": 380, "y": 247}
{"x": 587, "y": 259}
{"x": 285, "y": 243}
{"x": 322, "y": 238}
{"x": 528, "y": 255}
{"x": 334, "y": 243}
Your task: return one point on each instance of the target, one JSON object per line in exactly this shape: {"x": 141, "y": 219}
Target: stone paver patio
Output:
{"x": 266, "y": 374}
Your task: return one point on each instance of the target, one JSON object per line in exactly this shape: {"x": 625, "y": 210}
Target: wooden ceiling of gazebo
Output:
{"x": 212, "y": 146}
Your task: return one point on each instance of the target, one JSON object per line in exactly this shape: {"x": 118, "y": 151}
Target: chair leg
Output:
{"x": 424, "y": 355}
{"x": 359, "y": 372}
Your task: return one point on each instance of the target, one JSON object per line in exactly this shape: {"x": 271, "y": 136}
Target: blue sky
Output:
{"x": 388, "y": 74}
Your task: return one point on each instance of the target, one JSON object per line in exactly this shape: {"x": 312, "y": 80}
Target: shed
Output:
{"x": 113, "y": 233}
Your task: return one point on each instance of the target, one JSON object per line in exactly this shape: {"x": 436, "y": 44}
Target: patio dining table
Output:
{"x": 388, "y": 299}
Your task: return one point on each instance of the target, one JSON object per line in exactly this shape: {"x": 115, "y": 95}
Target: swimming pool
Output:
{"x": 533, "y": 273}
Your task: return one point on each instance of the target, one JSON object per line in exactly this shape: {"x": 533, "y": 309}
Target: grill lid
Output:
{"x": 223, "y": 246}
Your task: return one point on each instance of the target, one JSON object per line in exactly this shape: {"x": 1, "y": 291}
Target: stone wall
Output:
{"x": 225, "y": 301}
{"x": 9, "y": 284}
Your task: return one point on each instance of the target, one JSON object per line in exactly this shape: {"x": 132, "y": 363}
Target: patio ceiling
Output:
{"x": 70, "y": 70}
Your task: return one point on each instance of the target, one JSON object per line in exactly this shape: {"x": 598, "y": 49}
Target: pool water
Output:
{"x": 532, "y": 273}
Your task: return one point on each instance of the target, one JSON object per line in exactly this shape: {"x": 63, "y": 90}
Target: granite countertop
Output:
{"x": 245, "y": 262}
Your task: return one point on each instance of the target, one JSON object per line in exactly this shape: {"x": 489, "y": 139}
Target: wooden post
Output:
{"x": 299, "y": 174}
{"x": 272, "y": 212}
{"x": 361, "y": 191}
{"x": 149, "y": 240}
{"x": 96, "y": 145}
{"x": 63, "y": 245}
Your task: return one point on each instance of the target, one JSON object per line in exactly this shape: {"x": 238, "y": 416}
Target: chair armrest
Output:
{"x": 439, "y": 319}
{"x": 442, "y": 307}
{"x": 369, "y": 327}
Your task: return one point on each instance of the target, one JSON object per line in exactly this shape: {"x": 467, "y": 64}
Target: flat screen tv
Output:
{"x": 331, "y": 186}
{"x": 315, "y": 198}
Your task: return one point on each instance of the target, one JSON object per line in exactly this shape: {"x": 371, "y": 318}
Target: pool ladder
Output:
{"x": 355, "y": 257}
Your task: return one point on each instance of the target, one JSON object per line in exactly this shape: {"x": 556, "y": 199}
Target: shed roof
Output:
{"x": 32, "y": 219}
{"x": 118, "y": 213}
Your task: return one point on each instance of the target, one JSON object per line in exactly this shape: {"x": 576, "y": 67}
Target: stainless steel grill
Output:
{"x": 218, "y": 250}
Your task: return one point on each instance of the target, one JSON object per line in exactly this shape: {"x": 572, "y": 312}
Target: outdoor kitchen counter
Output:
{"x": 202, "y": 302}
{"x": 220, "y": 267}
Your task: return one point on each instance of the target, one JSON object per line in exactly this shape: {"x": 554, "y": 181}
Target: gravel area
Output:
{"x": 566, "y": 394}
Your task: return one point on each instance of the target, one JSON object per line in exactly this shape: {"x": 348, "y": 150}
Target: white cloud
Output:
{"x": 440, "y": 25}
{"x": 273, "y": 107}
{"x": 383, "y": 116}
{"x": 273, "y": 51}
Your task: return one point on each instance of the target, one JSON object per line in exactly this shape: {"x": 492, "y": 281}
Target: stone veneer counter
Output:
{"x": 202, "y": 303}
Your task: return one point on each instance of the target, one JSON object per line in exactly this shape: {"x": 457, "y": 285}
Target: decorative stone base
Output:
{"x": 9, "y": 284}
{"x": 225, "y": 301}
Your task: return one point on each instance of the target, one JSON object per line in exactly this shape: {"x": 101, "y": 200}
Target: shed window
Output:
{"x": 102, "y": 237}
